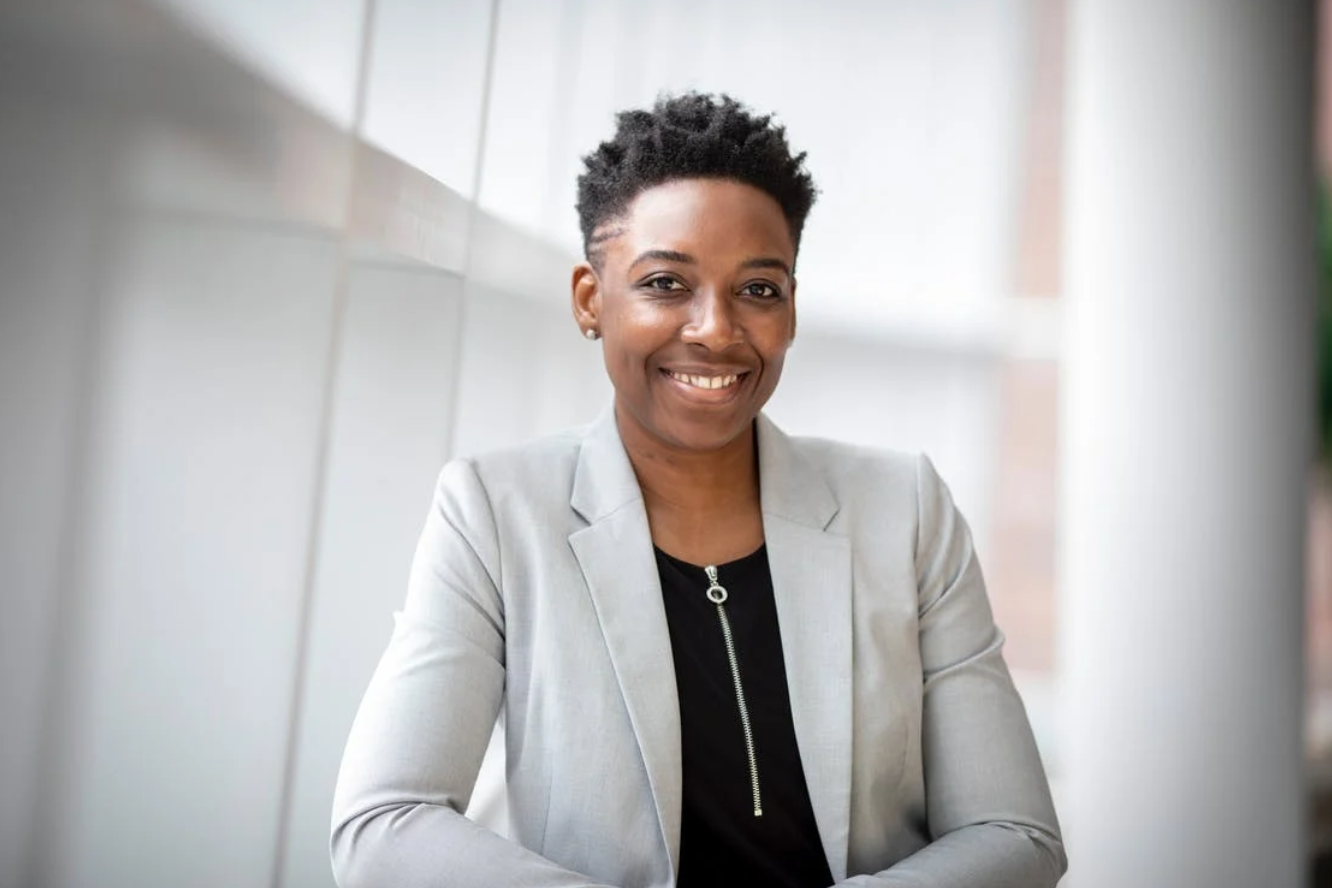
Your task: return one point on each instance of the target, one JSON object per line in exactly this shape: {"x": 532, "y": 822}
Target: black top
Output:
{"x": 722, "y": 843}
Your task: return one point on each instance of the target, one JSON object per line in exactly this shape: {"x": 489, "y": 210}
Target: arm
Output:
{"x": 988, "y": 802}
{"x": 415, "y": 748}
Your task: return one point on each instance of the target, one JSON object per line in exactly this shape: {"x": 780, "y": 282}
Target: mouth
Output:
{"x": 707, "y": 383}
{"x": 707, "y": 389}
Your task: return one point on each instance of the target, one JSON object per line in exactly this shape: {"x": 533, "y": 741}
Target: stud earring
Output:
{"x": 591, "y": 334}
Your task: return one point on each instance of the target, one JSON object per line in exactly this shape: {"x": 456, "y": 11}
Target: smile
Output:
{"x": 705, "y": 382}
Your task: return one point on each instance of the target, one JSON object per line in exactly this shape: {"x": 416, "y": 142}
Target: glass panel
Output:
{"x": 170, "y": 264}
{"x": 386, "y": 447}
{"x": 309, "y": 48}
{"x": 425, "y": 88}
{"x": 194, "y": 527}
{"x": 527, "y": 146}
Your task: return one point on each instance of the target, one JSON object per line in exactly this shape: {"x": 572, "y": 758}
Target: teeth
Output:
{"x": 705, "y": 382}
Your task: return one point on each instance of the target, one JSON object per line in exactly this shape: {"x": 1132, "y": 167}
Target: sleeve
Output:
{"x": 416, "y": 745}
{"x": 988, "y": 802}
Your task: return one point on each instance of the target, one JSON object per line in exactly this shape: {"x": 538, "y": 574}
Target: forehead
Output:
{"x": 707, "y": 218}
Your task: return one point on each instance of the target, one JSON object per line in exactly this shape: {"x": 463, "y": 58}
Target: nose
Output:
{"x": 713, "y": 322}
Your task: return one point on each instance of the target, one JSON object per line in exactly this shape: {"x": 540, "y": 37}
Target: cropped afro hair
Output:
{"x": 691, "y": 136}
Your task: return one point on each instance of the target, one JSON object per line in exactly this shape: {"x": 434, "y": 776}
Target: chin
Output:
{"x": 702, "y": 434}
{"x": 698, "y": 429}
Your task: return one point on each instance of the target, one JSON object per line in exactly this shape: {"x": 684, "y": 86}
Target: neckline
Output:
{"x": 689, "y": 565}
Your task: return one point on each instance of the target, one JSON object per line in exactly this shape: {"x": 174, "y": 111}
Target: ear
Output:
{"x": 586, "y": 297}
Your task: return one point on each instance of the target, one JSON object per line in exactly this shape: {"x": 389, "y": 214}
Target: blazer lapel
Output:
{"x": 615, "y": 554}
{"x": 811, "y": 578}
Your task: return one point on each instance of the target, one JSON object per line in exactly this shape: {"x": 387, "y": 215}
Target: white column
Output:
{"x": 1186, "y": 432}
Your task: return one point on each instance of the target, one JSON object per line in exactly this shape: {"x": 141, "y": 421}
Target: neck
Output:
{"x": 710, "y": 482}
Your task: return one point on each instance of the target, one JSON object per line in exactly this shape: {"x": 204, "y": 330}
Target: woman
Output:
{"x": 722, "y": 655}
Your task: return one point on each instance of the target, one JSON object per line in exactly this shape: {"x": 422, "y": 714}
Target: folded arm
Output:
{"x": 416, "y": 746}
{"x": 987, "y": 799}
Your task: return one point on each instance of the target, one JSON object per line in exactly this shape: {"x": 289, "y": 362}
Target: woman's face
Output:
{"x": 695, "y": 302}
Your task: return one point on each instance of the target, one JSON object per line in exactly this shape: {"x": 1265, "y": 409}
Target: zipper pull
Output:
{"x": 716, "y": 594}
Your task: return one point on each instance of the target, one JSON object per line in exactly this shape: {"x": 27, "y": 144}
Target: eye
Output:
{"x": 760, "y": 290}
{"x": 664, "y": 284}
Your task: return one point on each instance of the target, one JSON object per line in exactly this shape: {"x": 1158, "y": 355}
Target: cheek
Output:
{"x": 773, "y": 340}
{"x": 633, "y": 334}
{"x": 626, "y": 363}
{"x": 772, "y": 370}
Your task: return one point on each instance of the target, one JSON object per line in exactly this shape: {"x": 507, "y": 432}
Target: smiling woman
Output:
{"x": 723, "y": 656}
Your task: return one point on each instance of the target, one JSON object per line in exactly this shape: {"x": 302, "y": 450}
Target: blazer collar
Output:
{"x": 790, "y": 486}
{"x": 812, "y": 585}
{"x": 604, "y": 480}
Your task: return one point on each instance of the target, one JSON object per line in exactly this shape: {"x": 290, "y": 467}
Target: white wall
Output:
{"x": 47, "y": 317}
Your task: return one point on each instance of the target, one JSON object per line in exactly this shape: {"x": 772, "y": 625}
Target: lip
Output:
{"x": 702, "y": 395}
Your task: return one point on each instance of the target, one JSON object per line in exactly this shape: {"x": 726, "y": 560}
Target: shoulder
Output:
{"x": 534, "y": 472}
{"x": 878, "y": 486}
{"x": 849, "y": 468}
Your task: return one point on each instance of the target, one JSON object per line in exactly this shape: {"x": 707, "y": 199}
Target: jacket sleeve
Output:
{"x": 990, "y": 814}
{"x": 416, "y": 745}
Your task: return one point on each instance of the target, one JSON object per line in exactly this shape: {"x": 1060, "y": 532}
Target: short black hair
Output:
{"x": 688, "y": 136}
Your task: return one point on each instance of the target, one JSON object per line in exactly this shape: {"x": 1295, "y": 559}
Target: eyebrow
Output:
{"x": 685, "y": 258}
{"x": 767, "y": 262}
{"x": 663, "y": 256}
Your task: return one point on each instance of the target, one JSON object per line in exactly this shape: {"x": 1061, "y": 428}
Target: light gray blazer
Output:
{"x": 534, "y": 595}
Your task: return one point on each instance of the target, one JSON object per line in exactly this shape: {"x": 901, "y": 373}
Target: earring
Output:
{"x": 591, "y": 334}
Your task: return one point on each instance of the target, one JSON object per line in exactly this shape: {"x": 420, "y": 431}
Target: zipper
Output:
{"x": 718, "y": 595}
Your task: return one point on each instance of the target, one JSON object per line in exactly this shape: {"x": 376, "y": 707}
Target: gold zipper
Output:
{"x": 718, "y": 595}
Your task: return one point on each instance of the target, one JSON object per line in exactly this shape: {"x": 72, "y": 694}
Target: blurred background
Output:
{"x": 265, "y": 266}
